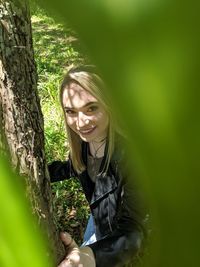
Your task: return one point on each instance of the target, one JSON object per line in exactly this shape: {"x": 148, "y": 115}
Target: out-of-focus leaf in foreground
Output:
{"x": 21, "y": 243}
{"x": 148, "y": 53}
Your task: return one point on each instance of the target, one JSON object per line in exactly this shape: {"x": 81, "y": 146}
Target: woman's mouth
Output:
{"x": 87, "y": 131}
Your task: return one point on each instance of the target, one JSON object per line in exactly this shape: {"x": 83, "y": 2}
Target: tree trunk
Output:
{"x": 20, "y": 112}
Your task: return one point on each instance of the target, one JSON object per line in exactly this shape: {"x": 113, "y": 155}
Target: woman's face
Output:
{"x": 85, "y": 115}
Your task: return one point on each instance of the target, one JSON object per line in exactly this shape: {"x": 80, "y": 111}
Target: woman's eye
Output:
{"x": 70, "y": 112}
{"x": 92, "y": 108}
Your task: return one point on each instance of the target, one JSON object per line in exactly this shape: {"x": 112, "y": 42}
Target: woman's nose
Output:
{"x": 82, "y": 120}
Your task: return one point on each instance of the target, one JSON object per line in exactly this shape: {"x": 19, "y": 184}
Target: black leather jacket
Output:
{"x": 115, "y": 205}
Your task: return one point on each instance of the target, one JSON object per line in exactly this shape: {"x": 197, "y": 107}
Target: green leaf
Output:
{"x": 21, "y": 242}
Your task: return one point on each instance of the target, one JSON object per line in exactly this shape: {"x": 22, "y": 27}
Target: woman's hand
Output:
{"x": 76, "y": 256}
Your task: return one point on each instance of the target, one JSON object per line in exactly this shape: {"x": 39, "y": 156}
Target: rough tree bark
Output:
{"x": 20, "y": 112}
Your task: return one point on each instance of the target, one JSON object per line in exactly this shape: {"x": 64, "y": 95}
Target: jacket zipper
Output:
{"x": 110, "y": 226}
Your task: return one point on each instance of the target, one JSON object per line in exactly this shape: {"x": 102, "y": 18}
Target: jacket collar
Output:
{"x": 105, "y": 182}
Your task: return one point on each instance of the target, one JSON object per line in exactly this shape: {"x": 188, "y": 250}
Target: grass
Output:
{"x": 55, "y": 48}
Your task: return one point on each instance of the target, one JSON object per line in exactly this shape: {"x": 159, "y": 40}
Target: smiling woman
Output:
{"x": 87, "y": 114}
{"x": 115, "y": 231}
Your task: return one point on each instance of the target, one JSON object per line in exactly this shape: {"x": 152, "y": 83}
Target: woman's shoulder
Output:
{"x": 120, "y": 148}
{"x": 122, "y": 159}
{"x": 119, "y": 156}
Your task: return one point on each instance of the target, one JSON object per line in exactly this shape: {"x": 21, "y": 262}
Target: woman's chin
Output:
{"x": 88, "y": 137}
{"x": 94, "y": 136}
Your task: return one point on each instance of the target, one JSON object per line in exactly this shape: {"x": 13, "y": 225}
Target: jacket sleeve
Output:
{"x": 61, "y": 170}
{"x": 125, "y": 243}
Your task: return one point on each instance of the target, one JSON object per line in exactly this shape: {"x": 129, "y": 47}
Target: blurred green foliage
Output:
{"x": 21, "y": 242}
{"x": 148, "y": 53}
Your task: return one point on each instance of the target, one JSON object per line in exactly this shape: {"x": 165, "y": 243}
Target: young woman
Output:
{"x": 115, "y": 231}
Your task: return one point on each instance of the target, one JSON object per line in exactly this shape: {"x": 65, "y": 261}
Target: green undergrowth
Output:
{"x": 55, "y": 48}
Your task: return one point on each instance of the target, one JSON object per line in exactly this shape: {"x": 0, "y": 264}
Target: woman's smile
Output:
{"x": 87, "y": 131}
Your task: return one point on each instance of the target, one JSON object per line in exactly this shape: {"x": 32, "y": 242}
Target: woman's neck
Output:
{"x": 97, "y": 148}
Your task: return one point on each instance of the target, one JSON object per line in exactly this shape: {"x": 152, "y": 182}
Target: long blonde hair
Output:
{"x": 89, "y": 80}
